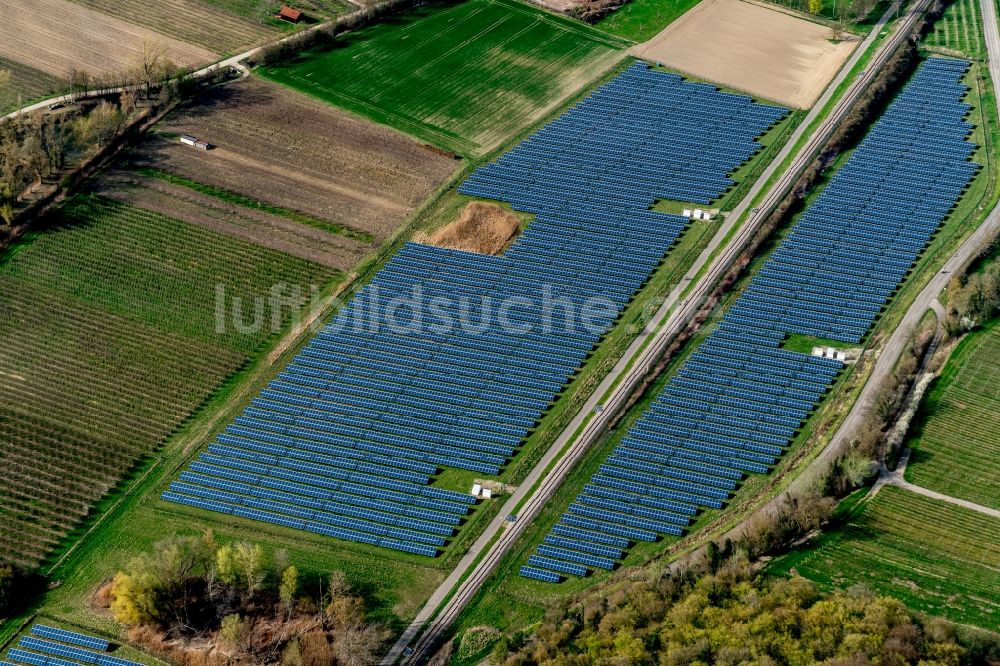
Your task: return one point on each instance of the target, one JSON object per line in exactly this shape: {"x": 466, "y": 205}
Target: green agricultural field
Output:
{"x": 641, "y": 20}
{"x": 109, "y": 330}
{"x": 959, "y": 30}
{"x": 957, "y": 440}
{"x": 22, "y": 84}
{"x": 933, "y": 556}
{"x": 464, "y": 77}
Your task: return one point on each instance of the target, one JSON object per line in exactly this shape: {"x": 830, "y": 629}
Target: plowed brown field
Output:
{"x": 285, "y": 149}
{"x": 55, "y": 36}
{"x": 189, "y": 21}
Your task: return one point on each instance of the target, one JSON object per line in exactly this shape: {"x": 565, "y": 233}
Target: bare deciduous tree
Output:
{"x": 151, "y": 65}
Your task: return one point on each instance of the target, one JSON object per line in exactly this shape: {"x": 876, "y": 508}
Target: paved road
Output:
{"x": 458, "y": 588}
{"x": 927, "y": 299}
{"x": 234, "y": 61}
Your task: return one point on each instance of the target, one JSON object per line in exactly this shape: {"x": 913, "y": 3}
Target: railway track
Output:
{"x": 448, "y": 601}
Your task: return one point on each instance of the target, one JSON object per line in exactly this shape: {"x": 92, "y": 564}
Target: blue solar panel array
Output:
{"x": 70, "y": 637}
{"x": 449, "y": 358}
{"x": 739, "y": 399}
{"x": 49, "y": 646}
{"x": 645, "y": 135}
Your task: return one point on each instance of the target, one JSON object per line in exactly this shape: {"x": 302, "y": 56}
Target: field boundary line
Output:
{"x": 105, "y": 514}
{"x": 895, "y": 478}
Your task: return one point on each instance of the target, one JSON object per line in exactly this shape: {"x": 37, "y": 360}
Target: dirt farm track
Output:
{"x": 55, "y": 36}
{"x": 762, "y": 51}
{"x": 282, "y": 148}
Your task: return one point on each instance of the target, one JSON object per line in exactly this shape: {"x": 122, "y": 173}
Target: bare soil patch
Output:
{"x": 280, "y": 147}
{"x": 55, "y": 36}
{"x": 767, "y": 53}
{"x": 481, "y": 227}
{"x": 559, "y": 5}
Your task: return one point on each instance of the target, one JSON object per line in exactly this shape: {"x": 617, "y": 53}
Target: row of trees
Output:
{"x": 147, "y": 71}
{"x": 17, "y": 585}
{"x": 846, "y": 11}
{"x": 973, "y": 298}
{"x": 35, "y": 147}
{"x": 197, "y": 601}
{"x": 592, "y": 11}
{"x": 324, "y": 36}
{"x": 733, "y": 617}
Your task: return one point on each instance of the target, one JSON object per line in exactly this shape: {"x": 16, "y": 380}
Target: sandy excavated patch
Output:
{"x": 763, "y": 51}
{"x": 56, "y": 36}
{"x": 481, "y": 227}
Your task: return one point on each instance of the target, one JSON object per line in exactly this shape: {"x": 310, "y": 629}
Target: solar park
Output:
{"x": 739, "y": 399}
{"x": 347, "y": 439}
{"x": 50, "y": 646}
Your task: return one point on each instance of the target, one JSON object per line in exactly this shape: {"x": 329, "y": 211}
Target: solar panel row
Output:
{"x": 739, "y": 399}
{"x": 69, "y": 637}
{"x": 51, "y": 646}
{"x": 449, "y": 358}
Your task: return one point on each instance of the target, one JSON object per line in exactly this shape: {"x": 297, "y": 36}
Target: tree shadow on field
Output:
{"x": 385, "y": 24}
{"x": 235, "y": 95}
{"x": 921, "y": 456}
{"x": 378, "y": 603}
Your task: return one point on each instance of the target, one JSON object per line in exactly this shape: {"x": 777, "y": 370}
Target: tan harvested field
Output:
{"x": 285, "y": 149}
{"x": 482, "y": 227}
{"x": 762, "y": 51}
{"x": 55, "y": 36}
{"x": 189, "y": 21}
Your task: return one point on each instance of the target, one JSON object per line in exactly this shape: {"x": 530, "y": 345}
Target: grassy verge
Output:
{"x": 640, "y": 20}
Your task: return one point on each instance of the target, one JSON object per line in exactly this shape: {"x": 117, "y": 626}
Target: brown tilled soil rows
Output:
{"x": 56, "y": 36}
{"x": 189, "y": 21}
{"x": 255, "y": 226}
{"x": 282, "y": 148}
{"x": 763, "y": 51}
